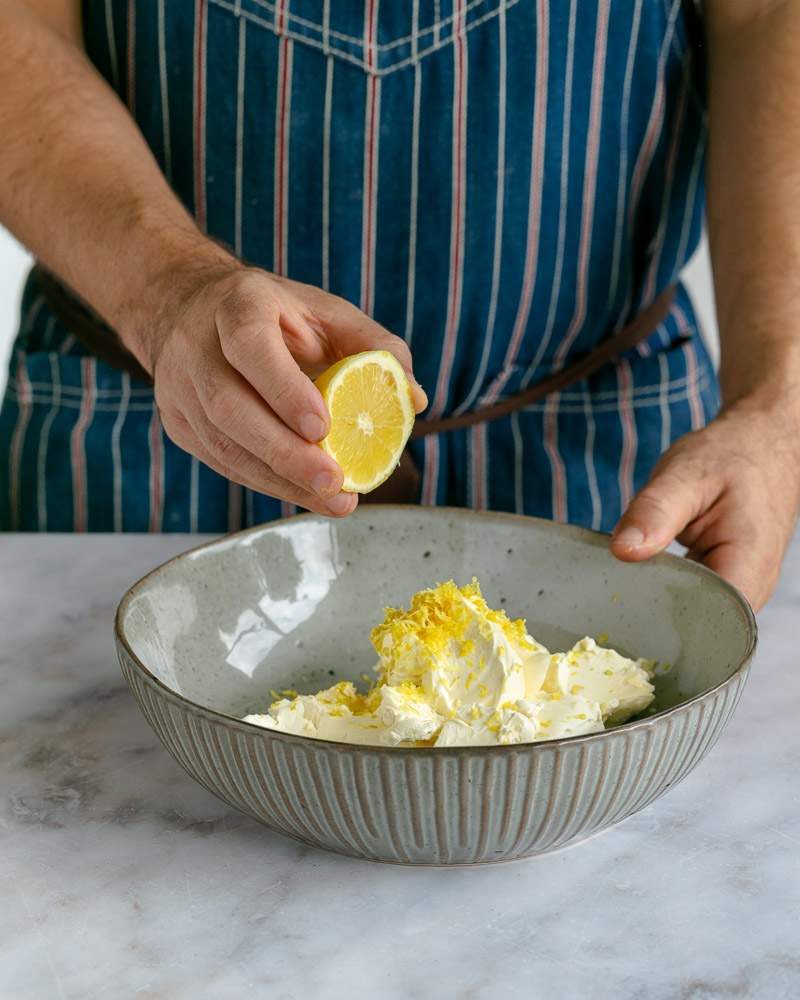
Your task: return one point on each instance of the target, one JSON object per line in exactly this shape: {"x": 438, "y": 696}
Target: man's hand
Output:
{"x": 233, "y": 360}
{"x": 730, "y": 493}
{"x": 231, "y": 348}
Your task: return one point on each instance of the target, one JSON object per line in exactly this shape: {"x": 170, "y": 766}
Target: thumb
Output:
{"x": 371, "y": 336}
{"x": 354, "y": 332}
{"x": 658, "y": 513}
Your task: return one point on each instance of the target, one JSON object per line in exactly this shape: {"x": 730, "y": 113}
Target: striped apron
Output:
{"x": 501, "y": 182}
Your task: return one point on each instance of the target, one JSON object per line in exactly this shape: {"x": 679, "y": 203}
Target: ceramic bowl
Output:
{"x": 204, "y": 638}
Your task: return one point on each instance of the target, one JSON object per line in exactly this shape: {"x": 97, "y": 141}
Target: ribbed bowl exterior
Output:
{"x": 435, "y": 807}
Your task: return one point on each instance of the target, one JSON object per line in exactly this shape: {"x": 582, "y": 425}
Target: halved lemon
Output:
{"x": 369, "y": 399}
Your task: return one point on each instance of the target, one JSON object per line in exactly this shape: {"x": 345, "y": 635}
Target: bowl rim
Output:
{"x": 577, "y": 531}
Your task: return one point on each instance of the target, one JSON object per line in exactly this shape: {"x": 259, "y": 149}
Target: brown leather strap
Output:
{"x": 92, "y": 331}
{"x": 103, "y": 342}
{"x": 629, "y": 336}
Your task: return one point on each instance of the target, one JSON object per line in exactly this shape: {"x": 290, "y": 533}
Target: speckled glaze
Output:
{"x": 203, "y": 639}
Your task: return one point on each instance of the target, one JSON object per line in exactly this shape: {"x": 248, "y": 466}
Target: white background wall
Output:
{"x": 14, "y": 262}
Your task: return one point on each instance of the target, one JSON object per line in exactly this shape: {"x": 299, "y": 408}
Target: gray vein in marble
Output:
{"x": 123, "y": 878}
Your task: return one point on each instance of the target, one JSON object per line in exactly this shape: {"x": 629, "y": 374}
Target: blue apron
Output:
{"x": 501, "y": 182}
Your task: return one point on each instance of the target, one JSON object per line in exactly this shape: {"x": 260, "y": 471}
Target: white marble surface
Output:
{"x": 120, "y": 877}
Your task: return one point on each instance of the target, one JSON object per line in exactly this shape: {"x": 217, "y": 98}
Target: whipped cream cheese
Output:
{"x": 454, "y": 672}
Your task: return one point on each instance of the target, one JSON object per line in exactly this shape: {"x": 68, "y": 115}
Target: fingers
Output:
{"x": 742, "y": 543}
{"x": 684, "y": 501}
{"x": 232, "y": 462}
{"x": 237, "y": 394}
{"x": 248, "y": 321}
{"x": 741, "y": 567}
{"x": 254, "y": 322}
{"x": 232, "y": 408}
{"x": 658, "y": 513}
{"x": 723, "y": 493}
{"x": 360, "y": 333}
{"x": 236, "y": 459}
{"x": 353, "y": 331}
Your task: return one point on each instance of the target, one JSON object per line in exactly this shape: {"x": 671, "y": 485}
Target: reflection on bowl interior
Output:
{"x": 293, "y": 605}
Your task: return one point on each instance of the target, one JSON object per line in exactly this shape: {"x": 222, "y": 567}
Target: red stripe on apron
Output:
{"x": 456, "y": 215}
{"x": 690, "y": 353}
{"x": 235, "y": 497}
{"x": 629, "y": 435}
{"x": 371, "y": 135}
{"x": 589, "y": 183}
{"x": 431, "y": 466}
{"x": 550, "y": 441}
{"x": 156, "y": 446}
{"x": 131, "y": 95}
{"x": 281, "y": 204}
{"x": 282, "y": 146}
{"x": 78, "y": 448}
{"x": 430, "y": 472}
{"x": 672, "y": 156}
{"x": 24, "y": 407}
{"x": 200, "y": 30}
{"x": 479, "y": 482}
{"x": 534, "y": 197}
{"x": 654, "y": 124}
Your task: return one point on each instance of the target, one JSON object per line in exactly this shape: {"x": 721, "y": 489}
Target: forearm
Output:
{"x": 79, "y": 186}
{"x": 754, "y": 197}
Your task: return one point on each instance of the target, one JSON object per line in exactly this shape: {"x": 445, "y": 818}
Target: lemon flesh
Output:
{"x": 369, "y": 400}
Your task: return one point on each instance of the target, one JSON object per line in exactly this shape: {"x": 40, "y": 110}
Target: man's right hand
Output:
{"x": 232, "y": 349}
{"x": 233, "y": 358}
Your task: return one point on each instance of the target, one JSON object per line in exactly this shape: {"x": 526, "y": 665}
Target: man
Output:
{"x": 502, "y": 183}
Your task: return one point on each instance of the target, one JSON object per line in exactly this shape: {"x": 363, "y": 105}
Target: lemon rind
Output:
{"x": 389, "y": 363}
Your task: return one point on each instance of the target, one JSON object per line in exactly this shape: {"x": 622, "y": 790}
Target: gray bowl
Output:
{"x": 203, "y": 639}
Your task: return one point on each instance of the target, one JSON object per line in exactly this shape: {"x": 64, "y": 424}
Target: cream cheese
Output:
{"x": 454, "y": 672}
{"x": 619, "y": 686}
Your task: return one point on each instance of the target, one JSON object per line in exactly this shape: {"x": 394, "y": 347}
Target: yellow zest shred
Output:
{"x": 493, "y": 723}
{"x": 442, "y": 614}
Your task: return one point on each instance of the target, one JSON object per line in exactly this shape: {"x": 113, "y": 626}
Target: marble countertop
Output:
{"x": 120, "y": 877}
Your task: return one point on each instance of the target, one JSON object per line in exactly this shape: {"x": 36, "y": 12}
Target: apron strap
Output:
{"x": 640, "y": 327}
{"x": 95, "y": 334}
{"x": 89, "y": 328}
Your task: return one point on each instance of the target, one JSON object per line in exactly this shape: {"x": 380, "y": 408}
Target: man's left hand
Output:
{"x": 730, "y": 493}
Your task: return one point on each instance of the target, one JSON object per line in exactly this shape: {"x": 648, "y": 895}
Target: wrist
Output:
{"x": 767, "y": 382}
{"x": 768, "y": 419}
{"x": 183, "y": 262}
{"x": 774, "y": 399}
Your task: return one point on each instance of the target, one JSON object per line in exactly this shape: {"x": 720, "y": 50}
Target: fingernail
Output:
{"x": 340, "y": 504}
{"x": 630, "y": 537}
{"x": 420, "y": 391}
{"x": 324, "y": 484}
{"x": 312, "y": 427}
